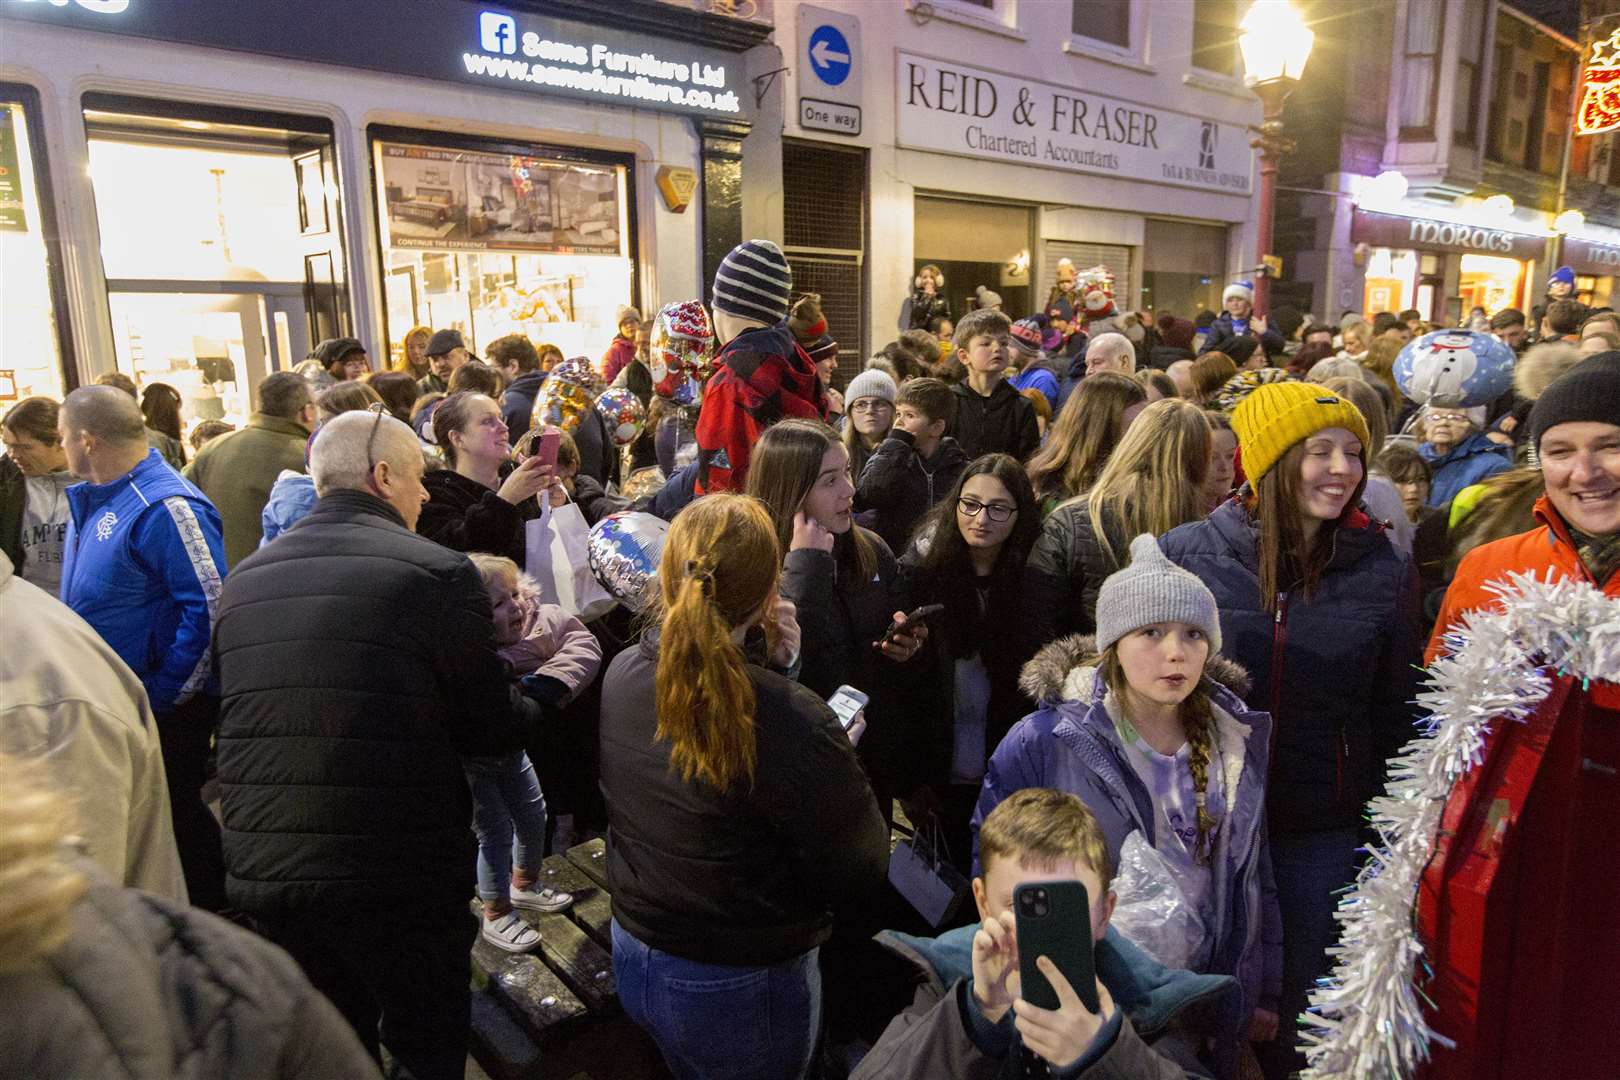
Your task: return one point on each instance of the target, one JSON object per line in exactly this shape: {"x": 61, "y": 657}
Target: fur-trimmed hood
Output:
{"x": 1054, "y": 675}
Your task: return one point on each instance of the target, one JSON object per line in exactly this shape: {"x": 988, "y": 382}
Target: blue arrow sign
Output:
{"x": 829, "y": 55}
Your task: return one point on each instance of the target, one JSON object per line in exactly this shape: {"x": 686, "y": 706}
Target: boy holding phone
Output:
{"x": 969, "y": 1014}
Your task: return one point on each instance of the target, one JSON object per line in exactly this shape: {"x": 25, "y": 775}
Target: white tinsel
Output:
{"x": 1367, "y": 1018}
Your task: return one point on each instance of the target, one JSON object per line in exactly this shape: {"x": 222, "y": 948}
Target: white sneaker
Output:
{"x": 538, "y": 899}
{"x": 511, "y": 933}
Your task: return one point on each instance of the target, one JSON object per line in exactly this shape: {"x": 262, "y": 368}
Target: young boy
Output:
{"x": 915, "y": 467}
{"x": 761, "y": 375}
{"x": 968, "y": 1015}
{"x": 991, "y": 417}
{"x": 1031, "y": 371}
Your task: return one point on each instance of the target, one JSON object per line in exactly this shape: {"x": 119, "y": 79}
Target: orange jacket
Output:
{"x": 1547, "y": 547}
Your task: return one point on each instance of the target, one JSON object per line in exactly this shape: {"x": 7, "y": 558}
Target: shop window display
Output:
{"x": 493, "y": 243}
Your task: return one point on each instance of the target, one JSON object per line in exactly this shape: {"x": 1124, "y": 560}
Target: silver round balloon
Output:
{"x": 624, "y": 550}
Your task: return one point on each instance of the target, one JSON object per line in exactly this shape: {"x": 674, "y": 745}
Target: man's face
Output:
{"x": 401, "y": 486}
{"x": 1320, "y": 337}
{"x": 1580, "y": 463}
{"x": 440, "y": 365}
{"x": 31, "y": 456}
{"x": 993, "y": 893}
{"x": 1511, "y": 336}
{"x": 1110, "y": 356}
{"x": 1238, "y": 307}
{"x": 457, "y": 357}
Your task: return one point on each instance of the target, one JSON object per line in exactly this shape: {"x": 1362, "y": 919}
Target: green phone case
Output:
{"x": 1062, "y": 934}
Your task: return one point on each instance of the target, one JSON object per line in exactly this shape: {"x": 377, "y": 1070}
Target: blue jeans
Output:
{"x": 509, "y": 816}
{"x": 1310, "y": 869}
{"x": 717, "y": 1021}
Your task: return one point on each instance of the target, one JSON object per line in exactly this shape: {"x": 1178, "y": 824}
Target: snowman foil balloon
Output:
{"x": 1457, "y": 368}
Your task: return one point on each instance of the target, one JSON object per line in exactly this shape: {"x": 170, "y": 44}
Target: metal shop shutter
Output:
{"x": 1115, "y": 257}
{"x": 824, "y": 229}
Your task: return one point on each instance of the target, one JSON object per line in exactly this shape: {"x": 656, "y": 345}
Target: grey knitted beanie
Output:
{"x": 1152, "y": 589}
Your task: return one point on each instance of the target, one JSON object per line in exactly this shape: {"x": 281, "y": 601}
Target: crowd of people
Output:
{"x": 1135, "y": 603}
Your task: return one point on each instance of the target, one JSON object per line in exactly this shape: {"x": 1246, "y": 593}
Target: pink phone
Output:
{"x": 546, "y": 451}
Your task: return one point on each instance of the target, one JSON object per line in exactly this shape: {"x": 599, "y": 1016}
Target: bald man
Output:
{"x": 1110, "y": 352}
{"x": 142, "y": 564}
{"x": 358, "y": 664}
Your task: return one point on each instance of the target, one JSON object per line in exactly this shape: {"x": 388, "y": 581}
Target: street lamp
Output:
{"x": 1276, "y": 43}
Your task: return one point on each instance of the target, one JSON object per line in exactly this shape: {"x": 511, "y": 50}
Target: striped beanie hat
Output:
{"x": 754, "y": 282}
{"x": 822, "y": 348}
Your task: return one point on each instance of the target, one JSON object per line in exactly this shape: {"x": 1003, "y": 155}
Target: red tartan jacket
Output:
{"x": 761, "y": 376}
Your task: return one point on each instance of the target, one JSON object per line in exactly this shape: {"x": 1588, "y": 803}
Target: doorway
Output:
{"x": 976, "y": 244}
{"x": 221, "y": 245}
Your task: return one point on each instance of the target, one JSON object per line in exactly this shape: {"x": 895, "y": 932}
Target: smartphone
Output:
{"x": 846, "y": 702}
{"x": 917, "y": 618}
{"x": 546, "y": 448}
{"x": 1054, "y": 921}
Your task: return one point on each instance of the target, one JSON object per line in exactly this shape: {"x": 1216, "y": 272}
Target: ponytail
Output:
{"x": 705, "y": 698}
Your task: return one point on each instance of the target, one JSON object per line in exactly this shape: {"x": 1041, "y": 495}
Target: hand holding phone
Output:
{"x": 847, "y": 703}
{"x": 907, "y": 632}
{"x": 1061, "y": 1004}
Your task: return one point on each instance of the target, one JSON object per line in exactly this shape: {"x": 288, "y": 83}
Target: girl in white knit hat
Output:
{"x": 1145, "y": 723}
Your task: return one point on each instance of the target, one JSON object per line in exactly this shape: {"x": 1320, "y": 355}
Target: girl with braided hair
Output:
{"x": 1146, "y": 724}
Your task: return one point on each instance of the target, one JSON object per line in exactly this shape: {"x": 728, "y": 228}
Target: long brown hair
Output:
{"x": 720, "y": 566}
{"x": 1197, "y": 716}
{"x": 781, "y": 471}
{"x": 1155, "y": 479}
{"x": 1085, "y": 433}
{"x": 1282, "y": 554}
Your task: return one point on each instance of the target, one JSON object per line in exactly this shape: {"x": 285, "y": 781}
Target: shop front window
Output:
{"x": 1183, "y": 268}
{"x": 1490, "y": 282}
{"x": 30, "y": 354}
{"x": 974, "y": 245}
{"x": 1391, "y": 281}
{"x": 219, "y": 245}
{"x": 496, "y": 242}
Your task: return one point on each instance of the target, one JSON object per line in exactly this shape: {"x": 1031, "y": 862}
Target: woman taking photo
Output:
{"x": 1321, "y": 610}
{"x": 963, "y": 693}
{"x": 738, "y": 816}
{"x": 1093, "y": 420}
{"x": 1153, "y": 482}
{"x": 480, "y": 502}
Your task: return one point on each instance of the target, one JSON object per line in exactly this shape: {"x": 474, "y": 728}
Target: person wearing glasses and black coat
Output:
{"x": 962, "y": 693}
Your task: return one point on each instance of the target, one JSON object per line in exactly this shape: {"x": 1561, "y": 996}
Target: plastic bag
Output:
{"x": 1152, "y": 908}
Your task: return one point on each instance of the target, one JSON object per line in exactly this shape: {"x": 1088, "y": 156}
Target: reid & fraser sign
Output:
{"x": 956, "y": 108}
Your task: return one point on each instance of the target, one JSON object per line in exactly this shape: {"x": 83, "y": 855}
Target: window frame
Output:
{"x": 1235, "y": 71}
{"x": 1425, "y": 132}
{"x": 27, "y": 97}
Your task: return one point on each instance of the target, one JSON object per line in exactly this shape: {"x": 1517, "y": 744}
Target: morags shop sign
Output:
{"x": 1427, "y": 234}
{"x": 955, "y": 108}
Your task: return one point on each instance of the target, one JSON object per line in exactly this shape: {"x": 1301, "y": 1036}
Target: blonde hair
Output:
{"x": 494, "y": 568}
{"x": 720, "y": 566}
{"x": 402, "y": 361}
{"x": 1043, "y": 827}
{"x": 1382, "y": 353}
{"x": 38, "y": 885}
{"x": 1155, "y": 479}
{"x": 1358, "y": 392}
{"x": 1085, "y": 434}
{"x": 1197, "y": 717}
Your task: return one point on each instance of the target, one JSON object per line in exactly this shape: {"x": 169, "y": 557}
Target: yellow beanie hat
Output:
{"x": 1278, "y": 415}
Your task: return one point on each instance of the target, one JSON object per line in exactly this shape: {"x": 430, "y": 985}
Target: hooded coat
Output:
{"x": 1071, "y": 744}
{"x": 1337, "y": 671}
{"x": 942, "y": 1036}
{"x": 1467, "y": 463}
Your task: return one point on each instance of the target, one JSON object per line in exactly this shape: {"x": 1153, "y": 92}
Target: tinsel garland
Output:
{"x": 1366, "y": 1019}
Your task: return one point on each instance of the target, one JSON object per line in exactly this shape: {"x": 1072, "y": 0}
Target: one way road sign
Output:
{"x": 829, "y": 64}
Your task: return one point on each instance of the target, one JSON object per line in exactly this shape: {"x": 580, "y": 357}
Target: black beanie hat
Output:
{"x": 1589, "y": 391}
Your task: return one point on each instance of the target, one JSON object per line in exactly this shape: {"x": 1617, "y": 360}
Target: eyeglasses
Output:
{"x": 371, "y": 440}
{"x": 870, "y": 405}
{"x": 996, "y": 511}
{"x": 1448, "y": 418}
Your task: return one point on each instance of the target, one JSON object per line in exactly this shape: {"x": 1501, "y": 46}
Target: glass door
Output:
{"x": 30, "y": 352}
{"x": 211, "y": 347}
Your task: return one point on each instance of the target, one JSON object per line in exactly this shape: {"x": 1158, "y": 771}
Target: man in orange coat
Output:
{"x": 1575, "y": 428}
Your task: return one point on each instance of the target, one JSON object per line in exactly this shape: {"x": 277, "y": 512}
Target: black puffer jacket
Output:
{"x": 749, "y": 876}
{"x": 899, "y": 487}
{"x": 148, "y": 989}
{"x": 467, "y": 516}
{"x": 1003, "y": 423}
{"x": 357, "y": 664}
{"x": 1066, "y": 569}
{"x": 1337, "y": 672}
{"x": 13, "y": 501}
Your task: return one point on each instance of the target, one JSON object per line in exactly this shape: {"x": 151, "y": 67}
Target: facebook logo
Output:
{"x": 498, "y": 33}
